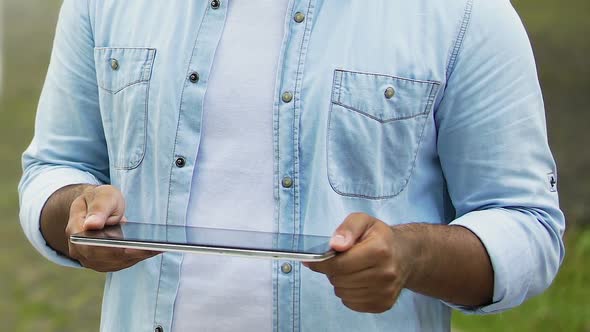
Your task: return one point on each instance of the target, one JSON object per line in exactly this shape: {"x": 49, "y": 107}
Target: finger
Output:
{"x": 95, "y": 256}
{"x": 106, "y": 206}
{"x": 371, "y": 307}
{"x": 113, "y": 232}
{"x": 359, "y": 279}
{"x": 354, "y": 294}
{"x": 113, "y": 220}
{"x": 371, "y": 300}
{"x": 109, "y": 266}
{"x": 357, "y": 259}
{"x": 143, "y": 254}
{"x": 100, "y": 254}
{"x": 113, "y": 265}
{"x": 351, "y": 231}
{"x": 78, "y": 210}
{"x": 142, "y": 258}
{"x": 363, "y": 294}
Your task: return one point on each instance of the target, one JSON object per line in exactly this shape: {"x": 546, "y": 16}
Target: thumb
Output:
{"x": 351, "y": 231}
{"x": 95, "y": 221}
{"x": 105, "y": 207}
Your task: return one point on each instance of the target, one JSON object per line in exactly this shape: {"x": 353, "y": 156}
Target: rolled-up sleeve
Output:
{"x": 492, "y": 143}
{"x": 69, "y": 145}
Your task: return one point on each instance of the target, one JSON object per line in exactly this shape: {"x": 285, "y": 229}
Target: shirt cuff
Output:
{"x": 507, "y": 245}
{"x": 34, "y": 196}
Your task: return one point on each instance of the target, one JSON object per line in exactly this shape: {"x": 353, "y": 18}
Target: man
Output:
{"x": 413, "y": 132}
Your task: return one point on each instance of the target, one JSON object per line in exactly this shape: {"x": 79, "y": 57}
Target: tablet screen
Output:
{"x": 213, "y": 238}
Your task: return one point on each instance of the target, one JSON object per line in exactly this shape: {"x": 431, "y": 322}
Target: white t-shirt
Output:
{"x": 233, "y": 179}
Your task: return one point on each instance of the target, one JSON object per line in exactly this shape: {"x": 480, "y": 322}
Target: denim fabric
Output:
{"x": 461, "y": 140}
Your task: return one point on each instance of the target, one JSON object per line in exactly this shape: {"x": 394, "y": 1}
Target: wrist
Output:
{"x": 411, "y": 242}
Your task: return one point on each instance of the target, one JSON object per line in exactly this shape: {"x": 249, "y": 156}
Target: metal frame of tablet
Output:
{"x": 159, "y": 246}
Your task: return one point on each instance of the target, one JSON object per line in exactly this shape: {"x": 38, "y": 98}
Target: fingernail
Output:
{"x": 90, "y": 219}
{"x": 339, "y": 239}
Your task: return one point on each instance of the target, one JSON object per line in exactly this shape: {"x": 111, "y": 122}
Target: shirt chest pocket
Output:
{"x": 375, "y": 128}
{"x": 123, "y": 76}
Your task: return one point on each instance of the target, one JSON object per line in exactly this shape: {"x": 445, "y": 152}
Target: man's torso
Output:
{"x": 342, "y": 142}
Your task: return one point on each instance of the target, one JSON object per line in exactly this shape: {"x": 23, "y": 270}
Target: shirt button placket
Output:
{"x": 299, "y": 17}
{"x": 287, "y": 96}
{"x": 287, "y": 182}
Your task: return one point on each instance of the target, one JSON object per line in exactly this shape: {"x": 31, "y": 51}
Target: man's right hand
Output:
{"x": 94, "y": 209}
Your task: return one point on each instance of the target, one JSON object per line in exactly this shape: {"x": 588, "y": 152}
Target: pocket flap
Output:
{"x": 118, "y": 68}
{"x": 383, "y": 97}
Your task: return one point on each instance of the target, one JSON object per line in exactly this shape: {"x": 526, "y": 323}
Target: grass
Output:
{"x": 564, "y": 307}
{"x": 36, "y": 295}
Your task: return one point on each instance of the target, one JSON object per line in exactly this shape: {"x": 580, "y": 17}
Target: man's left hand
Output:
{"x": 372, "y": 265}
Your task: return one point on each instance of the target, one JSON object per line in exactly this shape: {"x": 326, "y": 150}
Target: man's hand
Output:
{"x": 376, "y": 261}
{"x": 94, "y": 209}
{"x": 372, "y": 266}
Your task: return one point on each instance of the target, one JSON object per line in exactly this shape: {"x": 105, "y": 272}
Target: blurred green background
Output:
{"x": 36, "y": 295}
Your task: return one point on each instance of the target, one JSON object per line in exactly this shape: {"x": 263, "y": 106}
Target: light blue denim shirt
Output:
{"x": 410, "y": 111}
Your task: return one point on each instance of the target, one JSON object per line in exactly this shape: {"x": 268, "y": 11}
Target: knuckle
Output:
{"x": 381, "y": 251}
{"x": 111, "y": 191}
{"x": 390, "y": 274}
{"x": 88, "y": 194}
{"x": 69, "y": 227}
{"x": 313, "y": 267}
{"x": 78, "y": 205}
{"x": 342, "y": 293}
{"x": 105, "y": 189}
{"x": 332, "y": 280}
{"x": 355, "y": 214}
{"x": 358, "y": 215}
{"x": 73, "y": 226}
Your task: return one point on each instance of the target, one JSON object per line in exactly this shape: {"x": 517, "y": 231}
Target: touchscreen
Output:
{"x": 214, "y": 238}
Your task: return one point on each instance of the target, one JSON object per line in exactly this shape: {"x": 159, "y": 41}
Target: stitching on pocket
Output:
{"x": 390, "y": 110}
{"x": 114, "y": 92}
{"x": 136, "y": 164}
{"x": 145, "y": 70}
{"x": 388, "y": 76}
{"x": 377, "y": 119}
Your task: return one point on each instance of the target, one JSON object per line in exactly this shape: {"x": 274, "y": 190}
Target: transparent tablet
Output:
{"x": 163, "y": 238}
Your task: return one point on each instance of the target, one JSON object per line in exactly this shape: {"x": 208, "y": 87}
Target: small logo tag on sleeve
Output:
{"x": 552, "y": 181}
